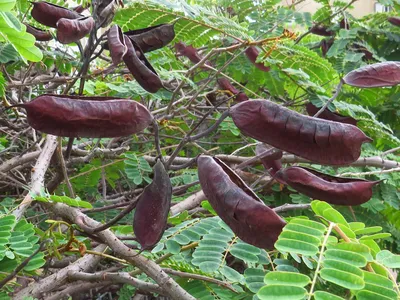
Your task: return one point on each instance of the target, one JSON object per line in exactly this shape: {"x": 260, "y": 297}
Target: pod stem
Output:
{"x": 122, "y": 214}
{"x": 335, "y": 95}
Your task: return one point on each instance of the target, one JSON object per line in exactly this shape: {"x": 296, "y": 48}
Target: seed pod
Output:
{"x": 394, "y": 20}
{"x": 237, "y": 205}
{"x": 328, "y": 115}
{"x": 69, "y": 31}
{"x": 226, "y": 85}
{"x": 116, "y": 44}
{"x": 375, "y": 75}
{"x": 270, "y": 157}
{"x": 318, "y": 140}
{"x": 152, "y": 209}
{"x": 39, "y": 34}
{"x": 152, "y": 38}
{"x": 48, "y": 14}
{"x": 344, "y": 24}
{"x": 321, "y": 30}
{"x": 140, "y": 67}
{"x": 252, "y": 54}
{"x": 326, "y": 45}
{"x": 106, "y": 12}
{"x": 190, "y": 52}
{"x": 334, "y": 190}
{"x": 73, "y": 116}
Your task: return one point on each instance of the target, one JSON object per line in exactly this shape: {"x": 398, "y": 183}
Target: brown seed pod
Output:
{"x": 73, "y": 116}
{"x": 334, "y": 190}
{"x": 375, "y": 75}
{"x": 328, "y": 115}
{"x": 140, "y": 67}
{"x": 48, "y": 14}
{"x": 190, "y": 52}
{"x": 270, "y": 157}
{"x": 226, "y": 85}
{"x": 116, "y": 44}
{"x": 318, "y": 140}
{"x": 237, "y": 205}
{"x": 252, "y": 54}
{"x": 151, "y": 212}
{"x": 344, "y": 24}
{"x": 69, "y": 31}
{"x": 321, "y": 30}
{"x": 152, "y": 38}
{"x": 39, "y": 34}
{"x": 326, "y": 45}
{"x": 106, "y": 11}
{"x": 394, "y": 20}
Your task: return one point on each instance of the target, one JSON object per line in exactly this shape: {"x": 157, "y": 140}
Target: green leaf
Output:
{"x": 7, "y": 5}
{"x": 254, "y": 279}
{"x": 320, "y": 295}
{"x": 377, "y": 236}
{"x": 294, "y": 246}
{"x": 342, "y": 278}
{"x": 276, "y": 292}
{"x": 77, "y": 202}
{"x": 388, "y": 259}
{"x": 368, "y": 230}
{"x": 35, "y": 263}
{"x": 348, "y": 257}
{"x": 367, "y": 295}
{"x": 286, "y": 278}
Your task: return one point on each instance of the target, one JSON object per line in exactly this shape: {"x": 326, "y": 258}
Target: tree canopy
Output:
{"x": 199, "y": 149}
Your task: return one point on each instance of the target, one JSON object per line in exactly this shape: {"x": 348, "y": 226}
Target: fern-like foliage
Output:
{"x": 194, "y": 24}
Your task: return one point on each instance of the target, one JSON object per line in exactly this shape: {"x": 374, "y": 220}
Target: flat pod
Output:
{"x": 248, "y": 217}
{"x": 318, "y": 140}
{"x": 326, "y": 45}
{"x": 69, "y": 31}
{"x": 116, "y": 44}
{"x": 151, "y": 212}
{"x": 321, "y": 30}
{"x": 394, "y": 21}
{"x": 334, "y": 190}
{"x": 48, "y": 14}
{"x": 152, "y": 38}
{"x": 252, "y": 54}
{"x": 226, "y": 85}
{"x": 375, "y": 75}
{"x": 91, "y": 117}
{"x": 40, "y": 35}
{"x": 328, "y": 115}
{"x": 270, "y": 157}
{"x": 140, "y": 68}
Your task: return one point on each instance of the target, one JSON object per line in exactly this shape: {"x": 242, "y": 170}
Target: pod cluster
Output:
{"x": 71, "y": 26}
{"x": 130, "y": 47}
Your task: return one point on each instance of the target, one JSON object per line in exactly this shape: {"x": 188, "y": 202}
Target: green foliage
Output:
{"x": 17, "y": 242}
{"x": 136, "y": 168}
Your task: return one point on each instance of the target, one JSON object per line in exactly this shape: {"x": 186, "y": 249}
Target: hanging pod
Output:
{"x": 116, "y": 44}
{"x": 94, "y": 117}
{"x": 69, "y": 31}
{"x": 252, "y": 54}
{"x": 152, "y": 209}
{"x": 226, "y": 85}
{"x": 320, "y": 141}
{"x": 321, "y": 30}
{"x": 375, "y": 75}
{"x": 237, "y": 205}
{"x": 140, "y": 67}
{"x": 39, "y": 34}
{"x": 152, "y": 38}
{"x": 48, "y": 14}
{"x": 394, "y": 21}
{"x": 334, "y": 190}
{"x": 328, "y": 115}
{"x": 190, "y": 52}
